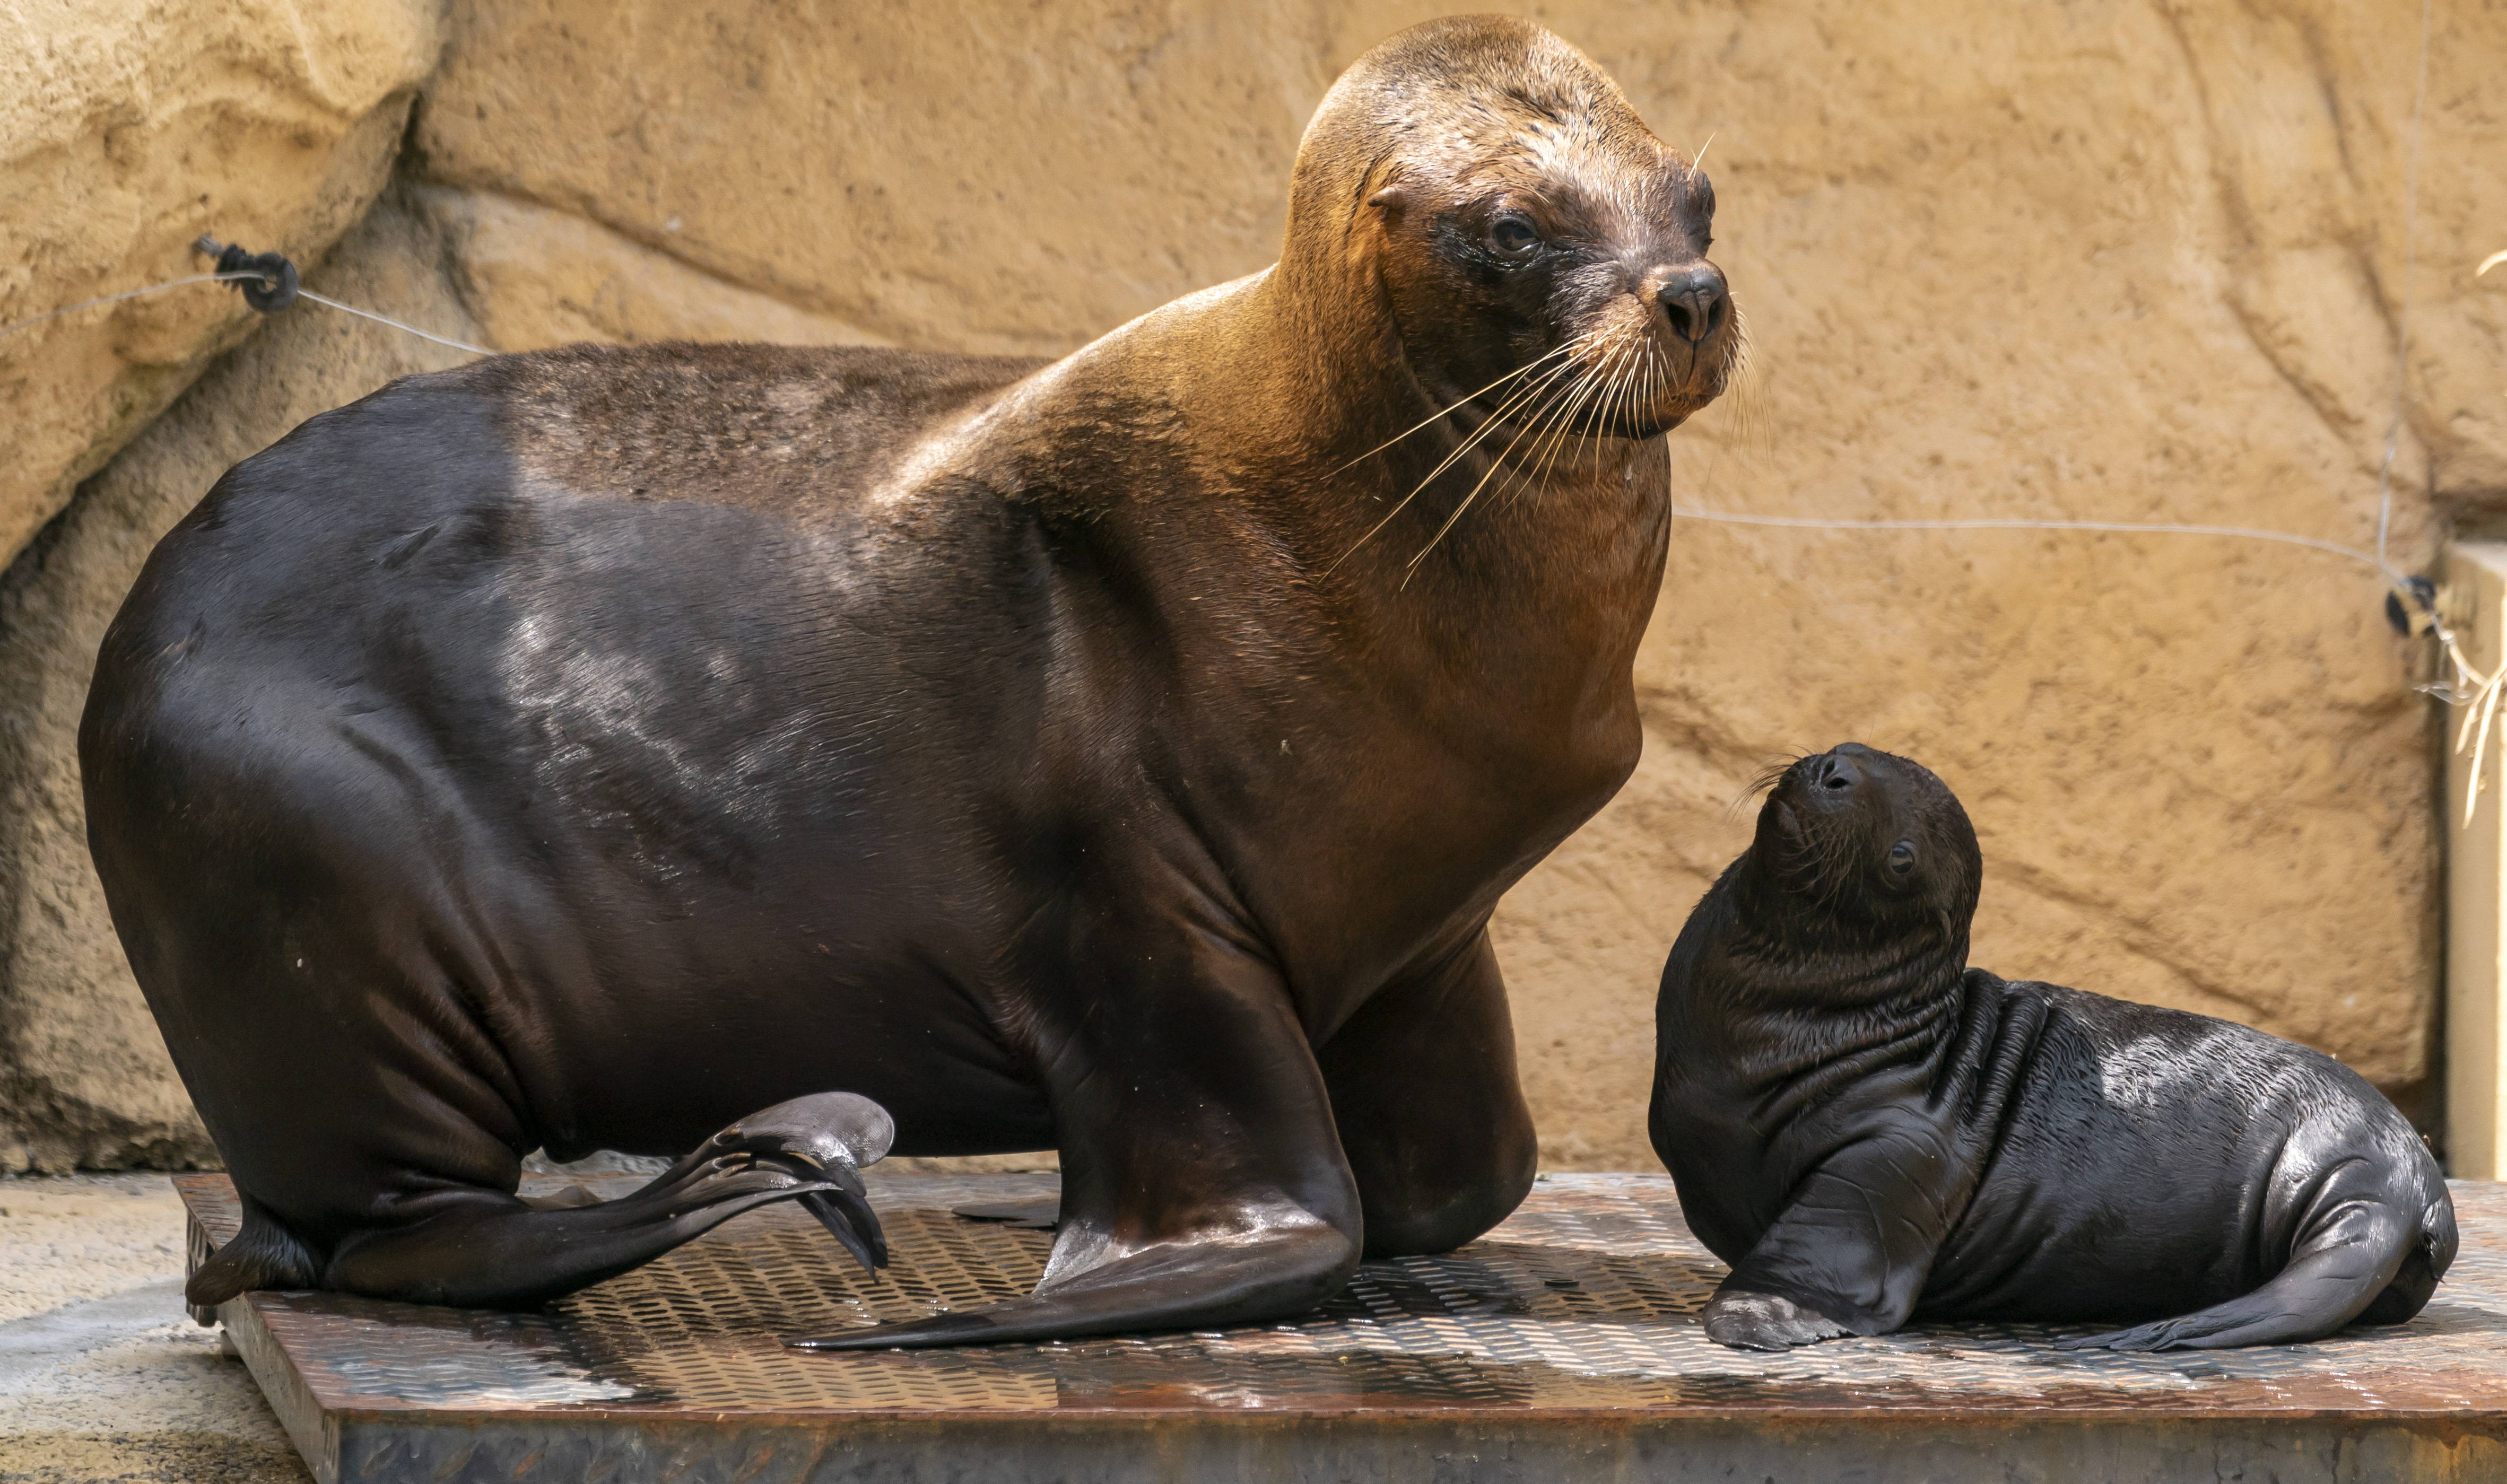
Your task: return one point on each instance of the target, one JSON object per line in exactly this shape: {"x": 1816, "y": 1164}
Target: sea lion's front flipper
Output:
{"x": 1202, "y": 1181}
{"x": 1853, "y": 1249}
{"x": 1197, "y": 1284}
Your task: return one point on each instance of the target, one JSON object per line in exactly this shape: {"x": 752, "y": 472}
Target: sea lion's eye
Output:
{"x": 1513, "y": 235}
{"x": 1901, "y": 857}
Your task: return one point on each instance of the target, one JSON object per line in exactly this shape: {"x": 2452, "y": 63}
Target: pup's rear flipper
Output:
{"x": 2422, "y": 1266}
{"x": 2365, "y": 1261}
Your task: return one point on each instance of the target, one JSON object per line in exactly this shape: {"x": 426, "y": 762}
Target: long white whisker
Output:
{"x": 1546, "y": 430}
{"x": 1448, "y": 412}
{"x": 1557, "y": 419}
{"x": 1588, "y": 440}
{"x": 1566, "y": 428}
{"x": 1555, "y": 422}
{"x": 1465, "y": 504}
{"x": 1606, "y": 413}
{"x": 1514, "y": 399}
{"x": 1623, "y": 402}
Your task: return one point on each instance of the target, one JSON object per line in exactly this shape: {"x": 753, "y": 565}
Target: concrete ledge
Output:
{"x": 102, "y": 1375}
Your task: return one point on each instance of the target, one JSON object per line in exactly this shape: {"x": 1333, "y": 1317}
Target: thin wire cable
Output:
{"x": 2124, "y": 528}
{"x": 2477, "y": 693}
{"x": 349, "y": 309}
{"x": 89, "y": 304}
{"x": 301, "y": 293}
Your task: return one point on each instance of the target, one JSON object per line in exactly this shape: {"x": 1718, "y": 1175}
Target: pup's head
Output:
{"x": 1857, "y": 846}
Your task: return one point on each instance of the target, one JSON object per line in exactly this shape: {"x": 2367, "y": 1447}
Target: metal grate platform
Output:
{"x": 1562, "y": 1346}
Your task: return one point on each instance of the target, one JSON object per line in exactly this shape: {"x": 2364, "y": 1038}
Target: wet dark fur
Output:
{"x": 1867, "y": 1130}
{"x": 585, "y": 748}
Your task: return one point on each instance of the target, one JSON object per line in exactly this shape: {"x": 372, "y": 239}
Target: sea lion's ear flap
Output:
{"x": 1392, "y": 200}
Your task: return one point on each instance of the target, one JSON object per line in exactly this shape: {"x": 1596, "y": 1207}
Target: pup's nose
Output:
{"x": 1693, "y": 300}
{"x": 1840, "y": 769}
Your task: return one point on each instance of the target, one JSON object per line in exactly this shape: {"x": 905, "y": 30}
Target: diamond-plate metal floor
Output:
{"x": 1563, "y": 1345}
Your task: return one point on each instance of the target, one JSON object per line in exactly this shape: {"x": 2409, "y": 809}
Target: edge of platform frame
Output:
{"x": 1614, "y": 1446}
{"x": 314, "y": 1432}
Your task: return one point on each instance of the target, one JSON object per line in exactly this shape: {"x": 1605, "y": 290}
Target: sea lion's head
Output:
{"x": 1537, "y": 249}
{"x": 1863, "y": 846}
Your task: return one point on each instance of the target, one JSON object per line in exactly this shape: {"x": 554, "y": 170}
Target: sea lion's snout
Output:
{"x": 1693, "y": 299}
{"x": 1835, "y": 773}
{"x": 1835, "y": 778}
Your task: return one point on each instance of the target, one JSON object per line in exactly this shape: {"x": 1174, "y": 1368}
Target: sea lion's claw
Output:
{"x": 1747, "y": 1321}
{"x": 937, "y": 1330}
{"x": 2158, "y": 1337}
{"x": 852, "y": 1221}
{"x": 1038, "y": 1215}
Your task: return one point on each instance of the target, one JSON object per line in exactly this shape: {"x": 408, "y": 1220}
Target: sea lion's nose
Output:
{"x": 1693, "y": 299}
{"x": 1839, "y": 770}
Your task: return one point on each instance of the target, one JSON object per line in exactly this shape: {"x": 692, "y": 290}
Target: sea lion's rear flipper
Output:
{"x": 262, "y": 1255}
{"x": 482, "y": 1249}
{"x": 2422, "y": 1266}
{"x": 2362, "y": 1257}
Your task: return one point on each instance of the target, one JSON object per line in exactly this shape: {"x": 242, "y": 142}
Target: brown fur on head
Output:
{"x": 1490, "y": 186}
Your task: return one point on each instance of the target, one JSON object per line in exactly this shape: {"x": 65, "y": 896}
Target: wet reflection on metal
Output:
{"x": 1585, "y": 1300}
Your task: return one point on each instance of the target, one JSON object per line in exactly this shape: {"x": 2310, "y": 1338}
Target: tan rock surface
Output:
{"x": 128, "y": 128}
{"x": 537, "y": 277}
{"x": 988, "y": 179}
{"x": 2103, "y": 263}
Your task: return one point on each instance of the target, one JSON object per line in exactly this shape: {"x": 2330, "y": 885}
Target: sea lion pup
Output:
{"x": 1120, "y": 755}
{"x": 1867, "y": 1130}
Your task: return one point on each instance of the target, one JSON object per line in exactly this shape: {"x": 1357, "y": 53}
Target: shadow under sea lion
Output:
{"x": 1867, "y": 1130}
{"x": 1123, "y": 754}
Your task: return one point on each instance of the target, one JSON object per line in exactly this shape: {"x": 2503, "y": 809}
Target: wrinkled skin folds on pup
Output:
{"x": 1119, "y": 755}
{"x": 1869, "y": 1131}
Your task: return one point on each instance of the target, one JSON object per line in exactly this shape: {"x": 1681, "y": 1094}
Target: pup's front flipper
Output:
{"x": 1852, "y": 1252}
{"x": 1848, "y": 1256}
{"x": 1766, "y": 1322}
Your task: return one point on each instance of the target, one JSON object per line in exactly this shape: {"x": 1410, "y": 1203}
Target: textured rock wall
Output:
{"x": 128, "y": 128}
{"x": 2107, "y": 262}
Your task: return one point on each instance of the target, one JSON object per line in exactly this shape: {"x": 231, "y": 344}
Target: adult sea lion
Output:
{"x": 1120, "y": 755}
{"x": 1867, "y": 1130}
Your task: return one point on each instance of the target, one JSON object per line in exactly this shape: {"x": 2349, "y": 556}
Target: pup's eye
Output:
{"x": 1513, "y": 235}
{"x": 1901, "y": 857}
